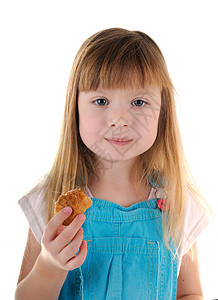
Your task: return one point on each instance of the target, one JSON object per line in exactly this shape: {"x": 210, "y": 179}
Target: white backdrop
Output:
{"x": 39, "y": 40}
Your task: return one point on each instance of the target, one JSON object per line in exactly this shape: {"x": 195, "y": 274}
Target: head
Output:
{"x": 118, "y": 60}
{"x": 122, "y": 60}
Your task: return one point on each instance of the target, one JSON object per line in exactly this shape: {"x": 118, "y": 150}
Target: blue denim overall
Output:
{"x": 127, "y": 258}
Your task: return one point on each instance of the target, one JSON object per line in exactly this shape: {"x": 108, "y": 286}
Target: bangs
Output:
{"x": 122, "y": 61}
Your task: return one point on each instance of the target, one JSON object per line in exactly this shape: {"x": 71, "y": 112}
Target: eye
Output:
{"x": 138, "y": 102}
{"x": 101, "y": 102}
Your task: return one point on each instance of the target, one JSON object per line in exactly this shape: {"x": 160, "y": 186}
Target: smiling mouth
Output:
{"x": 119, "y": 141}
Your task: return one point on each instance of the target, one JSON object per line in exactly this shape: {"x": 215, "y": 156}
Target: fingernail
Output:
{"x": 81, "y": 217}
{"x": 67, "y": 210}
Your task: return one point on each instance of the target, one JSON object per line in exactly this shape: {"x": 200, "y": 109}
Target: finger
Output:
{"x": 69, "y": 232}
{"x": 72, "y": 248}
{"x": 50, "y": 232}
{"x": 60, "y": 229}
{"x": 78, "y": 260}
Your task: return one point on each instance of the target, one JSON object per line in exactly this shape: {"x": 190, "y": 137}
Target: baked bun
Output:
{"x": 77, "y": 200}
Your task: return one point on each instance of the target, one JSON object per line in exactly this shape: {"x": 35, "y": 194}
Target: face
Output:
{"x": 119, "y": 124}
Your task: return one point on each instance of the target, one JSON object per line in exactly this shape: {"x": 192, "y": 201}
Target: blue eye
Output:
{"x": 139, "y": 102}
{"x": 101, "y": 102}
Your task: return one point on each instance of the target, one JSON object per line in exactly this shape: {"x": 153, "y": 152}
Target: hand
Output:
{"x": 60, "y": 244}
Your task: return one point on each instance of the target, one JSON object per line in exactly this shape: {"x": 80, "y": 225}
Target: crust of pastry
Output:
{"x": 77, "y": 200}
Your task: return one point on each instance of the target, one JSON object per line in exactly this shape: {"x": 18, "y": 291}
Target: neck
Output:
{"x": 114, "y": 184}
{"x": 114, "y": 172}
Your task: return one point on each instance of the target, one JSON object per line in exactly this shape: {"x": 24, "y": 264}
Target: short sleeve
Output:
{"x": 196, "y": 220}
{"x": 34, "y": 209}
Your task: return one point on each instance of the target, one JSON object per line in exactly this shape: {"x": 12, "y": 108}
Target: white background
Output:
{"x": 39, "y": 40}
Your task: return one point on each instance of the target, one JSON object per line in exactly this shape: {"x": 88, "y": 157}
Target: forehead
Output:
{"x": 151, "y": 92}
{"x": 115, "y": 73}
{"x": 131, "y": 80}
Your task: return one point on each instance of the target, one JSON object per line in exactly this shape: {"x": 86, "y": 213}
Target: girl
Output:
{"x": 120, "y": 142}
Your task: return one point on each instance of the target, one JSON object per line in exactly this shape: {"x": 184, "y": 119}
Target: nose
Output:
{"x": 119, "y": 118}
{"x": 119, "y": 123}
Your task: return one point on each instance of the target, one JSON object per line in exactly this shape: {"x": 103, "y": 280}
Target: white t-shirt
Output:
{"x": 34, "y": 208}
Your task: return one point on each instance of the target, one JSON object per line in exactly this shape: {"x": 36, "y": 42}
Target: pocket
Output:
{"x": 121, "y": 268}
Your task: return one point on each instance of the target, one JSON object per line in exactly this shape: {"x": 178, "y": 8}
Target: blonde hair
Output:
{"x": 118, "y": 58}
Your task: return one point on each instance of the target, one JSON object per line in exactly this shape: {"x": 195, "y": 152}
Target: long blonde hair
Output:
{"x": 118, "y": 58}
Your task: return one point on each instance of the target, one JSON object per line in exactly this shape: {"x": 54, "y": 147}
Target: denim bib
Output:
{"x": 127, "y": 258}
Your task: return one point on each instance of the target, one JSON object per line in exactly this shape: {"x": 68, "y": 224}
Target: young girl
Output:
{"x": 120, "y": 142}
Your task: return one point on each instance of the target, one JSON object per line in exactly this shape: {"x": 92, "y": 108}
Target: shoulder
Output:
{"x": 34, "y": 208}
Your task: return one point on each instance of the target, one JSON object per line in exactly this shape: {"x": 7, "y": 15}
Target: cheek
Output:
{"x": 147, "y": 126}
{"x": 89, "y": 128}
{"x": 148, "y": 121}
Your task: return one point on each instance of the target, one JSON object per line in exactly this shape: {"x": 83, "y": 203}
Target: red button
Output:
{"x": 163, "y": 204}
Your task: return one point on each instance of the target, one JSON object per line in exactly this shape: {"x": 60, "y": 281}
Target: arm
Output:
{"x": 189, "y": 283}
{"x": 191, "y": 297}
{"x": 40, "y": 283}
{"x": 44, "y": 269}
{"x": 31, "y": 253}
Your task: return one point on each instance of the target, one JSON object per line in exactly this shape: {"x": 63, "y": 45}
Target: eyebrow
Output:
{"x": 149, "y": 94}
{"x": 143, "y": 93}
{"x": 138, "y": 94}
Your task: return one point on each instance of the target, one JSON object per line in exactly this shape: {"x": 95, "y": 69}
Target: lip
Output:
{"x": 119, "y": 141}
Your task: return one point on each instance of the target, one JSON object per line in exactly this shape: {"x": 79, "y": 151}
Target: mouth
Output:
{"x": 119, "y": 141}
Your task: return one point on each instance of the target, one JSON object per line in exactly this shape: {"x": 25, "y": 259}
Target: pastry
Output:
{"x": 77, "y": 200}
